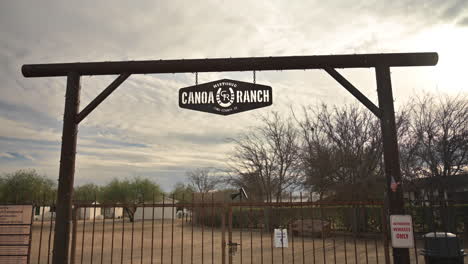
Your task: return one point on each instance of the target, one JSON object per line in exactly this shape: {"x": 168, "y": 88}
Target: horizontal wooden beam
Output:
{"x": 233, "y": 64}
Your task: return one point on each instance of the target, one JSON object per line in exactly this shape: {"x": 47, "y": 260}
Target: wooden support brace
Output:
{"x": 354, "y": 91}
{"x": 101, "y": 97}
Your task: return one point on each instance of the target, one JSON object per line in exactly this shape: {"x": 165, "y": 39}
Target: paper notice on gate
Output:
{"x": 281, "y": 238}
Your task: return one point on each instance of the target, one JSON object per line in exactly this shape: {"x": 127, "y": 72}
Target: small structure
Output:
{"x": 166, "y": 212}
{"x": 44, "y": 213}
{"x": 311, "y": 227}
{"x": 90, "y": 213}
{"x": 113, "y": 212}
{"x": 453, "y": 188}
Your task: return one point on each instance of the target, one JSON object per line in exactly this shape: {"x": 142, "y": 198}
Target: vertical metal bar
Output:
{"x": 92, "y": 235}
{"x": 152, "y": 231}
{"x": 302, "y": 229}
{"x": 291, "y": 228}
{"x": 172, "y": 231}
{"x": 50, "y": 236}
{"x": 251, "y": 233}
{"x": 415, "y": 248}
{"x": 345, "y": 251}
{"x": 271, "y": 237}
{"x": 103, "y": 232}
{"x": 334, "y": 251}
{"x": 365, "y": 246}
{"x": 42, "y": 227}
{"x": 191, "y": 218}
{"x": 142, "y": 233}
{"x": 123, "y": 235}
{"x": 133, "y": 234}
{"x": 67, "y": 170}
{"x": 212, "y": 228}
{"x": 376, "y": 251}
{"x": 241, "y": 222}
{"x": 182, "y": 233}
{"x": 385, "y": 237}
{"x": 356, "y": 214}
{"x": 280, "y": 208}
{"x": 112, "y": 239}
{"x": 230, "y": 234}
{"x": 443, "y": 206}
{"x": 223, "y": 234}
{"x": 261, "y": 232}
{"x": 202, "y": 214}
{"x": 83, "y": 235}
{"x": 414, "y": 236}
{"x": 323, "y": 235}
{"x": 355, "y": 251}
{"x": 390, "y": 149}
{"x": 74, "y": 234}
{"x": 313, "y": 228}
{"x": 162, "y": 228}
{"x": 28, "y": 259}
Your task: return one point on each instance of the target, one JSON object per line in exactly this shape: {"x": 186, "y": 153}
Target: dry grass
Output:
{"x": 205, "y": 247}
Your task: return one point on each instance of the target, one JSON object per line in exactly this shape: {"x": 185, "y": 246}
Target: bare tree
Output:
{"x": 440, "y": 127}
{"x": 265, "y": 160}
{"x": 341, "y": 152}
{"x": 204, "y": 179}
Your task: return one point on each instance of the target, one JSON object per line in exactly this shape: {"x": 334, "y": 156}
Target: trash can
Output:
{"x": 441, "y": 248}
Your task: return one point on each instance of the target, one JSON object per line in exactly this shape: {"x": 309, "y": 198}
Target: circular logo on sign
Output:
{"x": 225, "y": 96}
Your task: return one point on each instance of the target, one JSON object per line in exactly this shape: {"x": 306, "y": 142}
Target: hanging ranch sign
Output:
{"x": 225, "y": 97}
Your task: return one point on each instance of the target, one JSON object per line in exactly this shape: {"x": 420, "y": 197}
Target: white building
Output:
{"x": 147, "y": 212}
{"x": 111, "y": 212}
{"x": 43, "y": 212}
{"x": 90, "y": 213}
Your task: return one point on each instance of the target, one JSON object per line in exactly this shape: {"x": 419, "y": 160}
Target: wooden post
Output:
{"x": 67, "y": 171}
{"x": 391, "y": 153}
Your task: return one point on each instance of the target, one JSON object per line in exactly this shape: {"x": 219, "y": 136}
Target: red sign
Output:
{"x": 401, "y": 227}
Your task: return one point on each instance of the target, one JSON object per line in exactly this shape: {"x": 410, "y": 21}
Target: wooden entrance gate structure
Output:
{"x": 72, "y": 116}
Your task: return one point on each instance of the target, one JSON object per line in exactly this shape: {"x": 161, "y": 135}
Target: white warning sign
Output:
{"x": 401, "y": 227}
{"x": 281, "y": 238}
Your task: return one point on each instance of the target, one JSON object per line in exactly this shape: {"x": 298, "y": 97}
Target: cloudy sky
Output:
{"x": 140, "y": 130}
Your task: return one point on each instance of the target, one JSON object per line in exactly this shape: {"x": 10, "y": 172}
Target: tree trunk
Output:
{"x": 130, "y": 212}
